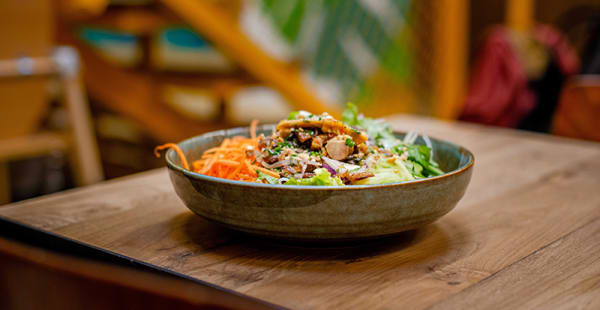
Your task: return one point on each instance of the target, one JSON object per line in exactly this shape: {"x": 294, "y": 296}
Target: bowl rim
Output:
{"x": 223, "y": 132}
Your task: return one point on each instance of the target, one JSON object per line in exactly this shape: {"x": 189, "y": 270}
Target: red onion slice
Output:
{"x": 331, "y": 170}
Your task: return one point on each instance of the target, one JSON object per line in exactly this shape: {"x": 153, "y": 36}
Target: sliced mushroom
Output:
{"x": 338, "y": 148}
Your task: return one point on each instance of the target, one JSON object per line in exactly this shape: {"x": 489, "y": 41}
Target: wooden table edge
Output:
{"x": 134, "y": 263}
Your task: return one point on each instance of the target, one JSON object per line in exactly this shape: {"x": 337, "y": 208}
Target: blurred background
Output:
{"x": 89, "y": 87}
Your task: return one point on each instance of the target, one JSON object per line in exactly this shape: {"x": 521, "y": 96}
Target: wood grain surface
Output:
{"x": 524, "y": 235}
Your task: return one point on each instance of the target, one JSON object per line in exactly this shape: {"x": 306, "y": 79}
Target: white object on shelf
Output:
{"x": 181, "y": 49}
{"x": 257, "y": 102}
{"x": 119, "y": 48}
{"x": 192, "y": 102}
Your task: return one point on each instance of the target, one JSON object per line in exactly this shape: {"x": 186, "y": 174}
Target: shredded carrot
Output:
{"x": 266, "y": 171}
{"x": 237, "y": 169}
{"x": 179, "y": 152}
{"x": 230, "y": 160}
{"x": 253, "y": 125}
{"x": 207, "y": 167}
{"x": 222, "y": 149}
{"x": 249, "y": 168}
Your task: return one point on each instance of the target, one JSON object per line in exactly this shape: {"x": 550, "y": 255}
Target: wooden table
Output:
{"x": 526, "y": 235}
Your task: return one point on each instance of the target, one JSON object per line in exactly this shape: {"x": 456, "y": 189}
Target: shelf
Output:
{"x": 134, "y": 94}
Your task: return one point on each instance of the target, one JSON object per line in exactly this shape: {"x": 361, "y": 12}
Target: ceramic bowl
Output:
{"x": 320, "y": 212}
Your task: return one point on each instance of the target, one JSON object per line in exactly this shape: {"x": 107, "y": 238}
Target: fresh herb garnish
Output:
{"x": 381, "y": 131}
{"x": 385, "y": 138}
{"x": 349, "y": 142}
{"x": 420, "y": 154}
{"x": 350, "y": 114}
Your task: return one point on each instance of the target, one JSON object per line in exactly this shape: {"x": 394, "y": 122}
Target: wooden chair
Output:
{"x": 27, "y": 62}
{"x": 79, "y": 140}
{"x": 579, "y": 109}
{"x": 31, "y": 278}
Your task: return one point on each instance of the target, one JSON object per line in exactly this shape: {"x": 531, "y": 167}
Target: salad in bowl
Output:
{"x": 319, "y": 150}
{"x": 313, "y": 177}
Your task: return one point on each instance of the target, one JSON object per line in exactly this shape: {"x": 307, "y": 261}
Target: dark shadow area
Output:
{"x": 198, "y": 234}
{"x": 410, "y": 247}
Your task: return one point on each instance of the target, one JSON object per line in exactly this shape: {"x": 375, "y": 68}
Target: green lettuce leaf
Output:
{"x": 293, "y": 115}
{"x": 266, "y": 177}
{"x": 387, "y": 172}
{"x": 322, "y": 178}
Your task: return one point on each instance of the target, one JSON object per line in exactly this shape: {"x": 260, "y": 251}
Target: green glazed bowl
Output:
{"x": 319, "y": 213}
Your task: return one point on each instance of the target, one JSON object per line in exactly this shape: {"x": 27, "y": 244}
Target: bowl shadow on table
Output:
{"x": 418, "y": 246}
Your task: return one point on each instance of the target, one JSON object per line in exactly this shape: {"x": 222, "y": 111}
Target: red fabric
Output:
{"x": 498, "y": 92}
{"x": 562, "y": 50}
